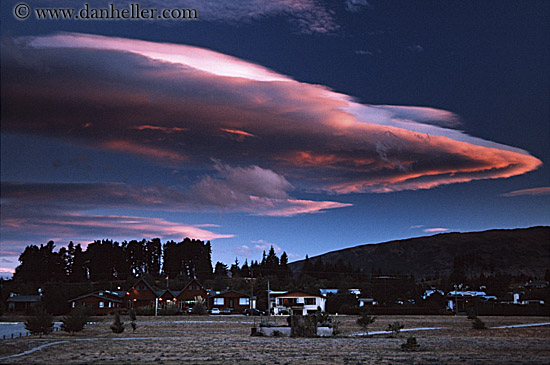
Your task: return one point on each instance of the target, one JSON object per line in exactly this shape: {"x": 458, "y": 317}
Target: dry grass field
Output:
{"x": 227, "y": 340}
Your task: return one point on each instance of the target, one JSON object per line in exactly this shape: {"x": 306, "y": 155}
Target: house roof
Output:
{"x": 100, "y": 294}
{"x": 24, "y": 299}
{"x": 222, "y": 293}
{"x": 191, "y": 282}
{"x": 173, "y": 293}
{"x": 298, "y": 293}
{"x": 158, "y": 293}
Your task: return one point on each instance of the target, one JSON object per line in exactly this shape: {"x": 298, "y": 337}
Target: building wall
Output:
{"x": 231, "y": 300}
{"x": 100, "y": 305}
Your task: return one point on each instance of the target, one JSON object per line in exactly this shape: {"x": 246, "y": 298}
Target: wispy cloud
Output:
{"x": 356, "y": 5}
{"x": 544, "y": 190}
{"x": 307, "y": 16}
{"x": 318, "y": 139}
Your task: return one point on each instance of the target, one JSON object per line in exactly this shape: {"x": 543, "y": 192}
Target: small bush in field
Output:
{"x": 410, "y": 345}
{"x": 365, "y": 320}
{"x": 133, "y": 318}
{"x": 478, "y": 324}
{"x": 395, "y": 328}
{"x": 118, "y": 325}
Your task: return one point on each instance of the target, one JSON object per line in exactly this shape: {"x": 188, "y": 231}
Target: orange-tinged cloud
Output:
{"x": 238, "y": 132}
{"x": 325, "y": 141}
{"x": 149, "y": 152}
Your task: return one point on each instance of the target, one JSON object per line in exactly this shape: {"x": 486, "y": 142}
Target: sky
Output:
{"x": 309, "y": 126}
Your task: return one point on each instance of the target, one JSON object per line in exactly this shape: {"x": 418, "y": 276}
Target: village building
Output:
{"x": 22, "y": 303}
{"x": 186, "y": 297}
{"x": 298, "y": 303}
{"x": 99, "y": 302}
{"x": 230, "y": 301}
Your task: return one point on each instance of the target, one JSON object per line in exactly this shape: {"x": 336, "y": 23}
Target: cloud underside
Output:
{"x": 182, "y": 105}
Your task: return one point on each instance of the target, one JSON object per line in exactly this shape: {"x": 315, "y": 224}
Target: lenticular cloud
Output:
{"x": 180, "y": 105}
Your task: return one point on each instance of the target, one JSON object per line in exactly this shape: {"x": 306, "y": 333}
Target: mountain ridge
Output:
{"x": 519, "y": 251}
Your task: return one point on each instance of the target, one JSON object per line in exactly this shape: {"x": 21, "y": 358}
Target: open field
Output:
{"x": 225, "y": 339}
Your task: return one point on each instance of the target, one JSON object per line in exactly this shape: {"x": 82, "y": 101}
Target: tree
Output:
{"x": 220, "y": 270}
{"x": 271, "y": 262}
{"x": 118, "y": 325}
{"x": 40, "y": 323}
{"x": 75, "y": 321}
{"x": 365, "y": 320}
{"x": 235, "y": 271}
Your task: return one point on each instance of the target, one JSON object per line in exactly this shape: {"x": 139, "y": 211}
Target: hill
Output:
{"x": 516, "y": 251}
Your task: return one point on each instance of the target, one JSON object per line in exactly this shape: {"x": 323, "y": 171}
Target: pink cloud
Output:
{"x": 158, "y": 128}
{"x": 435, "y": 230}
{"x": 323, "y": 140}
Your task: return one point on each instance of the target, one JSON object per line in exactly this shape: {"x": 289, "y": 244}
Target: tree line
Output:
{"x": 108, "y": 260}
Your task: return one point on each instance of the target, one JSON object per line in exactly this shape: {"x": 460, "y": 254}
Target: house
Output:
{"x": 22, "y": 303}
{"x": 99, "y": 302}
{"x": 458, "y": 301}
{"x": 298, "y": 303}
{"x": 230, "y": 300}
{"x": 186, "y": 297}
{"x": 366, "y": 302}
{"x": 167, "y": 299}
{"x": 142, "y": 294}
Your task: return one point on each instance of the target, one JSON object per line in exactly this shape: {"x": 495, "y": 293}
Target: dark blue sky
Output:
{"x": 144, "y": 149}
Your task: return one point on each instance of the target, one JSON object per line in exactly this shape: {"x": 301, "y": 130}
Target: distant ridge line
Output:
{"x": 518, "y": 251}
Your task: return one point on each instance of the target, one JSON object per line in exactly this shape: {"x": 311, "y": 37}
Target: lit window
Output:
{"x": 244, "y": 301}
{"x": 218, "y": 301}
{"x": 101, "y": 304}
{"x": 74, "y": 304}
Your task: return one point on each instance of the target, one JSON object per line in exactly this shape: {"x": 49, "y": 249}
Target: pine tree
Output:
{"x": 41, "y": 322}
{"x": 365, "y": 320}
{"x": 118, "y": 325}
{"x": 74, "y": 322}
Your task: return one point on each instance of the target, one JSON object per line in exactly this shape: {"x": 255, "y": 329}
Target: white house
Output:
{"x": 298, "y": 302}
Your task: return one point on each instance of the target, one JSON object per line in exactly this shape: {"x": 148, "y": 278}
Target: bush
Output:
{"x": 199, "y": 307}
{"x": 276, "y": 333}
{"x": 410, "y": 345}
{"x": 395, "y": 328}
{"x": 133, "y": 318}
{"x": 75, "y": 321}
{"x": 303, "y": 326}
{"x": 478, "y": 324}
{"x": 118, "y": 325}
{"x": 365, "y": 320}
{"x": 40, "y": 323}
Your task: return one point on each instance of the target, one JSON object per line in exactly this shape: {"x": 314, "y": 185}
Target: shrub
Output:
{"x": 303, "y": 326}
{"x": 410, "y": 345}
{"x": 118, "y": 325}
{"x": 199, "y": 307}
{"x": 365, "y": 320}
{"x": 40, "y": 323}
{"x": 276, "y": 333}
{"x": 395, "y": 328}
{"x": 133, "y": 318}
{"x": 478, "y": 324}
{"x": 75, "y": 321}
